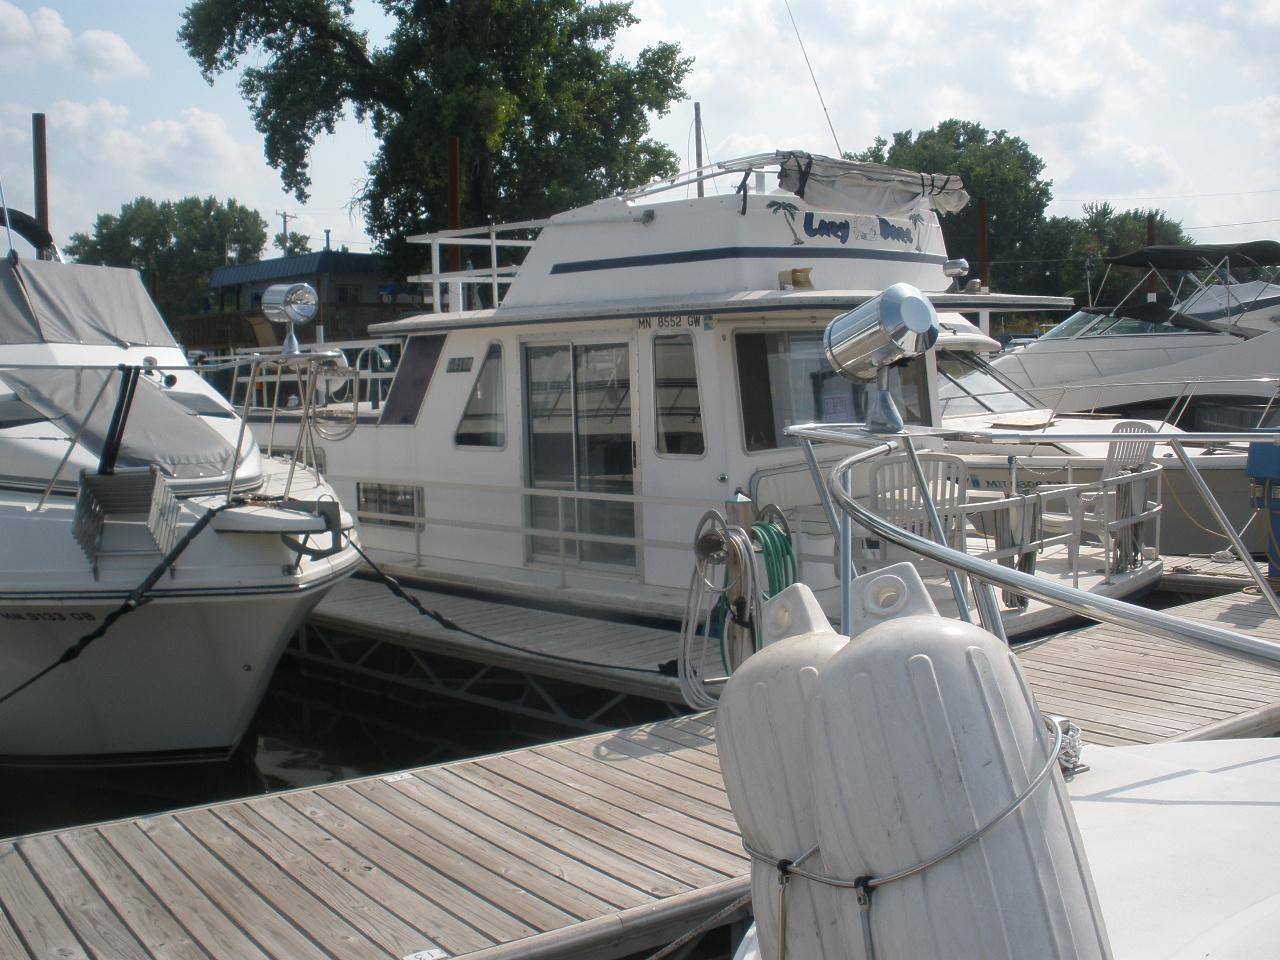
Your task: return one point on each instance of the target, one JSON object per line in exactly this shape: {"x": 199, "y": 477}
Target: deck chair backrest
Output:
{"x": 895, "y": 495}
{"x": 1128, "y": 455}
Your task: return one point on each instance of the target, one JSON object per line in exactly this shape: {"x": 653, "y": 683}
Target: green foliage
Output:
{"x": 291, "y": 245}
{"x": 176, "y": 245}
{"x": 546, "y": 115}
{"x": 992, "y": 164}
{"x": 1028, "y": 252}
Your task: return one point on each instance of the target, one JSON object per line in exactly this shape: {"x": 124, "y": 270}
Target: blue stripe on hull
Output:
{"x": 747, "y": 253}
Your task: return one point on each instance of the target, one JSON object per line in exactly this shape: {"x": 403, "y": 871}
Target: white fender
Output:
{"x": 760, "y": 729}
{"x": 923, "y": 730}
{"x": 760, "y": 738}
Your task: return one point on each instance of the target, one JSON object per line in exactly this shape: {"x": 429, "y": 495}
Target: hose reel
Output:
{"x": 756, "y": 551}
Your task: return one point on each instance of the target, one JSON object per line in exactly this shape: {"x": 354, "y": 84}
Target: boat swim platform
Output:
{"x": 600, "y": 846}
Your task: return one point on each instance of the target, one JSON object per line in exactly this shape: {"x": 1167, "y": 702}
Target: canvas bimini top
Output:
{"x": 1202, "y": 256}
{"x": 46, "y": 302}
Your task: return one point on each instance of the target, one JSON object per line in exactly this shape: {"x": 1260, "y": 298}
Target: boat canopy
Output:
{"x": 1201, "y": 256}
{"x": 845, "y": 184}
{"x": 46, "y": 302}
{"x": 159, "y": 430}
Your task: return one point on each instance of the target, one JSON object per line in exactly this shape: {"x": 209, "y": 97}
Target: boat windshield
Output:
{"x": 784, "y": 378}
{"x": 968, "y": 385}
{"x": 1073, "y": 326}
{"x": 1083, "y": 324}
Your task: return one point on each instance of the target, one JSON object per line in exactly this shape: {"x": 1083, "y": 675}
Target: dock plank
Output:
{"x": 138, "y": 906}
{"x": 35, "y": 917}
{"x": 377, "y": 923}
{"x": 78, "y": 901}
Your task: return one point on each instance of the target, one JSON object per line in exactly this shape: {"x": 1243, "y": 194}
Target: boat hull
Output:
{"x": 176, "y": 681}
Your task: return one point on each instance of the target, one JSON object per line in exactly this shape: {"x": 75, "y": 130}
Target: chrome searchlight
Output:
{"x": 861, "y": 344}
{"x": 290, "y": 304}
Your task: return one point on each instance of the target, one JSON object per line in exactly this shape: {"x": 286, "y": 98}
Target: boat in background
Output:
{"x": 592, "y": 392}
{"x": 1207, "y": 358}
{"x": 153, "y": 565}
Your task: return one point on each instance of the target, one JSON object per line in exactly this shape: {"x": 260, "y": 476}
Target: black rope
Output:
{"x": 136, "y": 598}
{"x": 393, "y": 585}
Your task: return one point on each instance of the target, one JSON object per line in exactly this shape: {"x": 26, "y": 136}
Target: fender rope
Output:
{"x": 867, "y": 885}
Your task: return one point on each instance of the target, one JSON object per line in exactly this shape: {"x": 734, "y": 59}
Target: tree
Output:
{"x": 995, "y": 165}
{"x": 546, "y": 115}
{"x": 175, "y": 244}
{"x": 293, "y": 244}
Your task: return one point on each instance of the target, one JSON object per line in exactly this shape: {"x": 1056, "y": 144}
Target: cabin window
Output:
{"x": 784, "y": 378}
{"x": 678, "y": 408}
{"x": 348, "y": 293}
{"x": 389, "y": 504}
{"x": 482, "y": 423}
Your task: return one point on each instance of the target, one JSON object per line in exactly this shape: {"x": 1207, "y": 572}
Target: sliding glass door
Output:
{"x": 579, "y": 435}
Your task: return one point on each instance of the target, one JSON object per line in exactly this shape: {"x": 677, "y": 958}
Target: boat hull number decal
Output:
{"x": 681, "y": 321}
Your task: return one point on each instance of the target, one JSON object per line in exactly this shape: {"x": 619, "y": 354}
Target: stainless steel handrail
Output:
{"x": 1080, "y": 602}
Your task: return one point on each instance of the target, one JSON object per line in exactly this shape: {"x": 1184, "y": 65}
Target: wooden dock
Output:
{"x": 1205, "y": 574}
{"x": 620, "y": 657}
{"x": 601, "y": 846}
{"x": 595, "y": 847}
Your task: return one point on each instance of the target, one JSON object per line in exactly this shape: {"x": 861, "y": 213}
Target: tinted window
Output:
{"x": 482, "y": 423}
{"x": 678, "y": 410}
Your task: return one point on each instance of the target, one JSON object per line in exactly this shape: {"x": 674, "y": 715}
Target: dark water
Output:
{"x": 310, "y": 729}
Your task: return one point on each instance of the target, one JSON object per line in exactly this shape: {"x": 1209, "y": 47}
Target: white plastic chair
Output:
{"x": 894, "y": 495}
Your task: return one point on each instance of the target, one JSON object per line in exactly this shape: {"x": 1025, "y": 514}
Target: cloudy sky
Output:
{"x": 1143, "y": 103}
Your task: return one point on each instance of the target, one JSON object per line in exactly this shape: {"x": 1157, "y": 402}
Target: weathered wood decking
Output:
{"x": 1205, "y": 574}
{"x": 600, "y": 846}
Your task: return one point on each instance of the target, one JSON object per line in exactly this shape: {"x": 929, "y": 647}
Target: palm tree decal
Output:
{"x": 917, "y": 219}
{"x": 789, "y": 211}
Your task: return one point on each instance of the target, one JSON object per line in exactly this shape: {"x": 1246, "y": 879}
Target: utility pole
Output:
{"x": 284, "y": 228}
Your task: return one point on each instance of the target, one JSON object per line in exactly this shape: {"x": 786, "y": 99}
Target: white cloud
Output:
{"x": 105, "y": 56}
{"x": 29, "y": 41}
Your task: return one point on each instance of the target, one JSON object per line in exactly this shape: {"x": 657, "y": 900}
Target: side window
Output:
{"x": 389, "y": 504}
{"x": 678, "y": 412}
{"x": 482, "y": 423}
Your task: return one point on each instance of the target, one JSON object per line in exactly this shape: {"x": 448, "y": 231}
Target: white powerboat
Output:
{"x": 153, "y": 564}
{"x": 557, "y": 433}
{"x": 1207, "y": 358}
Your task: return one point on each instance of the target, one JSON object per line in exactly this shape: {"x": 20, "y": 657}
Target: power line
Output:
{"x": 1243, "y": 223}
{"x": 1167, "y": 196}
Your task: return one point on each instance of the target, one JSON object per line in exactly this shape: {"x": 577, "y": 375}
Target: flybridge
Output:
{"x": 829, "y": 225}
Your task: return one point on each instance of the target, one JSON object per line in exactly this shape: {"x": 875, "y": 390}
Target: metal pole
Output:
{"x": 74, "y": 440}
{"x": 244, "y": 425}
{"x": 984, "y": 598}
{"x": 957, "y": 588}
{"x": 697, "y": 142}
{"x": 1241, "y": 551}
{"x": 41, "y": 156}
{"x": 847, "y": 573}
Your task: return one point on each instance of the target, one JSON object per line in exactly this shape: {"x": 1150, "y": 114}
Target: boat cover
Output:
{"x": 46, "y": 302}
{"x": 835, "y": 184}
{"x": 158, "y": 430}
{"x": 1202, "y": 256}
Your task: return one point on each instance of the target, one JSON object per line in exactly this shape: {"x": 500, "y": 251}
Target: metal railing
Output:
{"x": 984, "y": 574}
